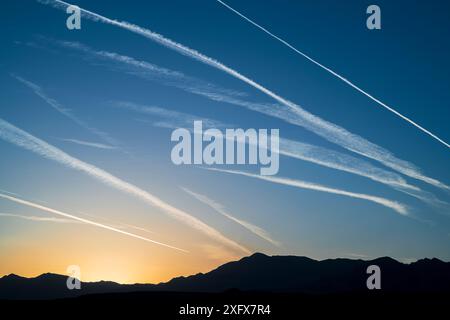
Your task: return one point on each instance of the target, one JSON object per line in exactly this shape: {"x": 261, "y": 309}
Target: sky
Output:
{"x": 86, "y": 118}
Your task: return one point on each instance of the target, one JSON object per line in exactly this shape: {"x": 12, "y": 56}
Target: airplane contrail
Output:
{"x": 89, "y": 144}
{"x": 347, "y": 163}
{"x": 295, "y": 115}
{"x": 150, "y": 71}
{"x": 65, "y": 111}
{"x": 172, "y": 119}
{"x": 297, "y": 150}
{"x": 351, "y": 84}
{"x": 37, "y": 218}
{"x": 76, "y": 218}
{"x": 19, "y": 137}
{"x": 220, "y": 209}
{"x": 117, "y": 224}
{"x": 396, "y": 206}
{"x": 335, "y": 160}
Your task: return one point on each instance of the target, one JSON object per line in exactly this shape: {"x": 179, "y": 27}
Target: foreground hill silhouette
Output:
{"x": 257, "y": 273}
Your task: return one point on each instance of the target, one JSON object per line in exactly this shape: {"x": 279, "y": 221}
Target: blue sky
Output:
{"x": 405, "y": 65}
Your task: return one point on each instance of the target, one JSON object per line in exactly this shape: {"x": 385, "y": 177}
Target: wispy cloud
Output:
{"x": 63, "y": 110}
{"x": 286, "y": 110}
{"x": 76, "y": 218}
{"x": 37, "y": 218}
{"x": 12, "y": 134}
{"x": 89, "y": 144}
{"x": 398, "y": 207}
{"x": 221, "y": 209}
{"x": 351, "y": 84}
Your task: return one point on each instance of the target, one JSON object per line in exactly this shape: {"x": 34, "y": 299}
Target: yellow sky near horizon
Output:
{"x": 104, "y": 255}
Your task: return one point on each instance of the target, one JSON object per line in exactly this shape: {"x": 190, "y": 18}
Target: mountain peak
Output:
{"x": 12, "y": 276}
{"x": 386, "y": 260}
{"x": 258, "y": 255}
{"x": 426, "y": 261}
{"x": 49, "y": 275}
{"x": 258, "y": 272}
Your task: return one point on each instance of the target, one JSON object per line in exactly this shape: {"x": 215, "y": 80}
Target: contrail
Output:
{"x": 297, "y": 150}
{"x": 175, "y": 78}
{"x": 152, "y": 72}
{"x": 398, "y": 207}
{"x": 173, "y": 118}
{"x": 64, "y": 111}
{"x": 116, "y": 224}
{"x": 37, "y": 218}
{"x": 347, "y": 163}
{"x": 14, "y": 135}
{"x": 70, "y": 216}
{"x": 220, "y": 209}
{"x": 10, "y": 193}
{"x": 119, "y": 224}
{"x": 354, "y": 86}
{"x": 295, "y": 114}
{"x": 89, "y": 144}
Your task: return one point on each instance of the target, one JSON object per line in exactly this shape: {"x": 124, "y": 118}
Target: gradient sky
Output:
{"x": 405, "y": 65}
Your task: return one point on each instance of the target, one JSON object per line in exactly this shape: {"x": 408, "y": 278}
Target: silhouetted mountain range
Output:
{"x": 259, "y": 273}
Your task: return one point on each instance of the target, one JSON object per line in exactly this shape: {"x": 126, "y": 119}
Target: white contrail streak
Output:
{"x": 347, "y": 163}
{"x": 64, "y": 111}
{"x": 12, "y": 134}
{"x": 220, "y": 209}
{"x": 117, "y": 224}
{"x": 37, "y": 218}
{"x": 173, "y": 119}
{"x": 336, "y": 75}
{"x": 398, "y": 207}
{"x": 149, "y": 71}
{"x": 70, "y": 216}
{"x": 89, "y": 144}
{"x": 298, "y": 150}
{"x": 295, "y": 114}
{"x": 331, "y": 159}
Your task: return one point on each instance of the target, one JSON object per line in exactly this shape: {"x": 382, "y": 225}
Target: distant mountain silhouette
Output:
{"x": 262, "y": 273}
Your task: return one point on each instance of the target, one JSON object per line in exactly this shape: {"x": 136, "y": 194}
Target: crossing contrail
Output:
{"x": 23, "y": 139}
{"x": 260, "y": 232}
{"x": 71, "y": 216}
{"x": 351, "y": 84}
{"x": 65, "y": 111}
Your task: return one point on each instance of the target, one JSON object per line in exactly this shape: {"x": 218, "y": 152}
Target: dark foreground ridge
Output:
{"x": 259, "y": 273}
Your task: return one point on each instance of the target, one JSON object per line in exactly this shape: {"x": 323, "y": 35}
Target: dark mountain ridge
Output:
{"x": 262, "y": 273}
